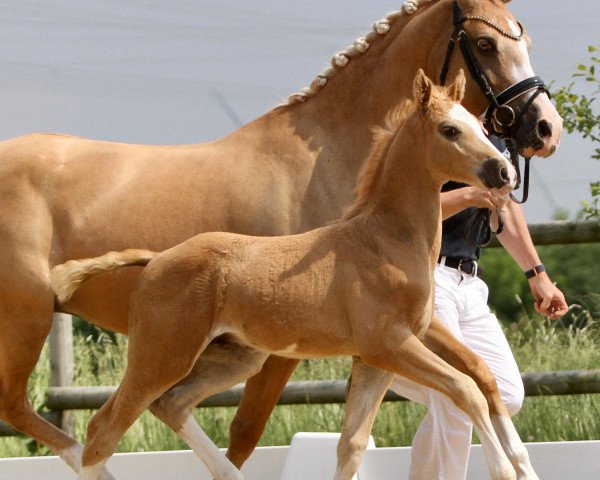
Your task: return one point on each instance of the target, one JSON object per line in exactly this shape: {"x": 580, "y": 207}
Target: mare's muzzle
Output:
{"x": 520, "y": 122}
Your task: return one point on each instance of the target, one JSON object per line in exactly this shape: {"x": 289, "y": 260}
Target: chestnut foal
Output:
{"x": 362, "y": 286}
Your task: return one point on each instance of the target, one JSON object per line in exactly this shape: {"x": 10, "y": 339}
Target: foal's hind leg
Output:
{"x": 367, "y": 388}
{"x": 145, "y": 380}
{"x": 441, "y": 341}
{"x": 169, "y": 326}
{"x": 220, "y": 366}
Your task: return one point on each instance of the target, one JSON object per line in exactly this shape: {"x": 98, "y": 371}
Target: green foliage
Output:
{"x": 538, "y": 344}
{"x": 570, "y": 266}
{"x": 542, "y": 345}
{"x": 579, "y": 116}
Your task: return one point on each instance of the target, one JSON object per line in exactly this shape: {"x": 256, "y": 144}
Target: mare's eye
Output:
{"x": 486, "y": 44}
{"x": 450, "y": 132}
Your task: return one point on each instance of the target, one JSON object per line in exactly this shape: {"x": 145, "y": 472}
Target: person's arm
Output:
{"x": 455, "y": 201}
{"x": 515, "y": 238}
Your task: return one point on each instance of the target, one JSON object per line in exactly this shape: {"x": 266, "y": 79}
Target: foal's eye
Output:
{"x": 450, "y": 132}
{"x": 486, "y": 44}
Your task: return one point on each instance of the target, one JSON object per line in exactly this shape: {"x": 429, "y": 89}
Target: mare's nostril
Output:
{"x": 504, "y": 174}
{"x": 545, "y": 128}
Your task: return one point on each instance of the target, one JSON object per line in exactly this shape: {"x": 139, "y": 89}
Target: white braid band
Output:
{"x": 382, "y": 26}
{"x": 410, "y": 6}
{"x": 360, "y": 45}
{"x": 340, "y": 59}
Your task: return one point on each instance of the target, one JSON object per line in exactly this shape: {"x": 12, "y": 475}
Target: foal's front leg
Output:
{"x": 441, "y": 341}
{"x": 367, "y": 388}
{"x": 403, "y": 353}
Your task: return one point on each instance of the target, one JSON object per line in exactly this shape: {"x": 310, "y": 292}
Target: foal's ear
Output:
{"x": 456, "y": 91}
{"x": 422, "y": 90}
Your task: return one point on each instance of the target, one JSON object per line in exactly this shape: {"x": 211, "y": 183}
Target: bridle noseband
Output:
{"x": 499, "y": 118}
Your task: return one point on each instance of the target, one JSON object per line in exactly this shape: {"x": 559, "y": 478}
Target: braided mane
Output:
{"x": 360, "y": 45}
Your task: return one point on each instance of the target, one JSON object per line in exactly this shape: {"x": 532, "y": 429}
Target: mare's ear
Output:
{"x": 456, "y": 91}
{"x": 422, "y": 90}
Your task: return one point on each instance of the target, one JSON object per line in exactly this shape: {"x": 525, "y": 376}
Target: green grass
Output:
{"x": 537, "y": 344}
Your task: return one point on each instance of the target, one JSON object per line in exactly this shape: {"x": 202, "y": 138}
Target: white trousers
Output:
{"x": 441, "y": 446}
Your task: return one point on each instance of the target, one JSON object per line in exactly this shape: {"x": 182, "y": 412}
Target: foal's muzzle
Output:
{"x": 498, "y": 174}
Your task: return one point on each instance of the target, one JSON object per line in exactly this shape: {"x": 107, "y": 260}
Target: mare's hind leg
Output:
{"x": 260, "y": 396}
{"x": 221, "y": 365}
{"x": 441, "y": 341}
{"x": 367, "y": 388}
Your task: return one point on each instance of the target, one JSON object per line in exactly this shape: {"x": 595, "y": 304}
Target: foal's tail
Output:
{"x": 66, "y": 278}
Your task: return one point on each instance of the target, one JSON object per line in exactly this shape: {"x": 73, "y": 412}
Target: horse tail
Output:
{"x": 66, "y": 278}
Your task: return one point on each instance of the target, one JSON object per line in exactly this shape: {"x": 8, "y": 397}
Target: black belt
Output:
{"x": 461, "y": 264}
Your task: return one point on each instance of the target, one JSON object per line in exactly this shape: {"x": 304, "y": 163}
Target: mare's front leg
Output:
{"x": 441, "y": 341}
{"x": 400, "y": 351}
{"x": 26, "y": 307}
{"x": 367, "y": 388}
{"x": 261, "y": 393}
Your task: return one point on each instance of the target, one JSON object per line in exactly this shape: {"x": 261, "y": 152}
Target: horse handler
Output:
{"x": 441, "y": 446}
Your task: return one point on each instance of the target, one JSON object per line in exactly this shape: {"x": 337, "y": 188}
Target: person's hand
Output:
{"x": 479, "y": 198}
{"x": 549, "y": 300}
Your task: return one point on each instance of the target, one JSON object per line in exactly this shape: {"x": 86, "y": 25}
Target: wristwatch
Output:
{"x": 535, "y": 271}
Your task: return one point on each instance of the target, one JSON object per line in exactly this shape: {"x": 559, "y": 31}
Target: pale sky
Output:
{"x": 186, "y": 71}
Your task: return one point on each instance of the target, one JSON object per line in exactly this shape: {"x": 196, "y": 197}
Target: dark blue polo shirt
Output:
{"x": 455, "y": 229}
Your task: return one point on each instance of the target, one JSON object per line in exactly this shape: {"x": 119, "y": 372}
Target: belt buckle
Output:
{"x": 473, "y": 271}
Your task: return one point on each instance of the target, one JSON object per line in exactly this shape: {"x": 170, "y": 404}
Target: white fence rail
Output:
{"x": 552, "y": 461}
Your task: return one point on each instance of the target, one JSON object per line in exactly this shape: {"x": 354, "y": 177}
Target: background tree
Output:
{"x": 579, "y": 116}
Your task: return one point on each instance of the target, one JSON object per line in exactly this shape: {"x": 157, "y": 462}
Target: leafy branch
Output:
{"x": 579, "y": 116}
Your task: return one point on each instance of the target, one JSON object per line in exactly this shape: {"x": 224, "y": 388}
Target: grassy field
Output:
{"x": 538, "y": 346}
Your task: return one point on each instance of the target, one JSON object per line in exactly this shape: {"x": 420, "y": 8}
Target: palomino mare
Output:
{"x": 360, "y": 286}
{"x": 285, "y": 172}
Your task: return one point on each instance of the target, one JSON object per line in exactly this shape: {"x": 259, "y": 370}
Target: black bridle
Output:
{"x": 499, "y": 118}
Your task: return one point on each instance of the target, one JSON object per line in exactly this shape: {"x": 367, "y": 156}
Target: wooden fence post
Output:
{"x": 61, "y": 361}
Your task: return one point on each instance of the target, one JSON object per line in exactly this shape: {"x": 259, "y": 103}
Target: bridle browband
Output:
{"x": 499, "y": 118}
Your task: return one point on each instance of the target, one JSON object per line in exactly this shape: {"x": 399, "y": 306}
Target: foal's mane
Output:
{"x": 372, "y": 168}
{"x": 360, "y": 46}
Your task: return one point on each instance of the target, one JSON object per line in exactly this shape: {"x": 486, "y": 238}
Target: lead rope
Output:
{"x": 478, "y": 229}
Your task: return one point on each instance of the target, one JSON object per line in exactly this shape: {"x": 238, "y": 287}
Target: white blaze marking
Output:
{"x": 459, "y": 113}
{"x": 523, "y": 69}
